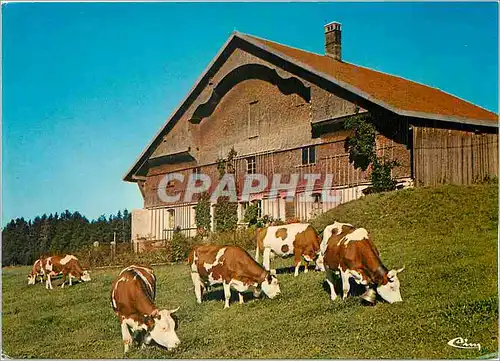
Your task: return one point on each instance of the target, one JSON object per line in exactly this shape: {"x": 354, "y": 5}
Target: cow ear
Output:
{"x": 149, "y": 321}
{"x": 155, "y": 314}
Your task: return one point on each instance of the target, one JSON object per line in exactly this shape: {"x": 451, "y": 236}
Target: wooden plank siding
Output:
{"x": 453, "y": 156}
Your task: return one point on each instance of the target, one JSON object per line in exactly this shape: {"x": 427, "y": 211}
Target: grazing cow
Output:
{"x": 233, "y": 267}
{"x": 336, "y": 228}
{"x": 353, "y": 253}
{"x": 299, "y": 239}
{"x": 36, "y": 271}
{"x": 132, "y": 297}
{"x": 67, "y": 266}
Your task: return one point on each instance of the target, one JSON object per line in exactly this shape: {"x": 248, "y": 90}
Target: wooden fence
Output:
{"x": 452, "y": 156}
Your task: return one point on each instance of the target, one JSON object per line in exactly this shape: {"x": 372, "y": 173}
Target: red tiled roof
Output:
{"x": 395, "y": 91}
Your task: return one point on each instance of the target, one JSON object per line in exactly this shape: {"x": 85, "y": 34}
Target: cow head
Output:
{"x": 270, "y": 286}
{"x": 31, "y": 279}
{"x": 85, "y": 276}
{"x": 390, "y": 291}
{"x": 320, "y": 263}
{"x": 162, "y": 329}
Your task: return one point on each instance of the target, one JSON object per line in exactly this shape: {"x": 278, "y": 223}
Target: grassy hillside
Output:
{"x": 446, "y": 237}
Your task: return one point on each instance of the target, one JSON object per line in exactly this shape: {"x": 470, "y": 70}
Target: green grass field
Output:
{"x": 446, "y": 237}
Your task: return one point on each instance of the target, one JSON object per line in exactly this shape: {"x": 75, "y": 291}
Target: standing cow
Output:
{"x": 132, "y": 297}
{"x": 299, "y": 239}
{"x": 67, "y": 266}
{"x": 36, "y": 271}
{"x": 233, "y": 267}
{"x": 354, "y": 255}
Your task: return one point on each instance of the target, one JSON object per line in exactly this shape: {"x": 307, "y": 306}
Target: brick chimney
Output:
{"x": 333, "y": 40}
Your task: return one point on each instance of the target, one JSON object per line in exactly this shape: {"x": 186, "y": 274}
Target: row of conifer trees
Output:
{"x": 23, "y": 241}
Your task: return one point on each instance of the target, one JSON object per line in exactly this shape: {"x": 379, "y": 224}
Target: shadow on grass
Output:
{"x": 355, "y": 290}
{"x": 217, "y": 294}
{"x": 291, "y": 269}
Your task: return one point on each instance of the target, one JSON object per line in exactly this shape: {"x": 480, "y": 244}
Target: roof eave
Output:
{"x": 451, "y": 119}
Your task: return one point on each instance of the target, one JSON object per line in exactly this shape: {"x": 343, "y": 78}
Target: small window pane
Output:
{"x": 251, "y": 165}
{"x": 305, "y": 155}
{"x": 312, "y": 154}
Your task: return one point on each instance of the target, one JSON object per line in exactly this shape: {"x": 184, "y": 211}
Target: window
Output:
{"x": 243, "y": 209}
{"x": 253, "y": 119}
{"x": 258, "y": 203}
{"x": 317, "y": 201}
{"x": 171, "y": 218}
{"x": 251, "y": 165}
{"x": 309, "y": 155}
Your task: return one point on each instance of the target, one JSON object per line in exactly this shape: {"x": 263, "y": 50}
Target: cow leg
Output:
{"x": 64, "y": 279}
{"x": 345, "y": 283}
{"x": 331, "y": 283}
{"x": 197, "y": 285}
{"x": 298, "y": 259}
{"x": 127, "y": 338}
{"x": 266, "y": 258}
{"x": 70, "y": 277}
{"x": 227, "y": 294}
{"x": 48, "y": 284}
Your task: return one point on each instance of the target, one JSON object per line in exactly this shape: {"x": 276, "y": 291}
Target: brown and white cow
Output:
{"x": 353, "y": 254}
{"x": 132, "y": 297}
{"x": 233, "y": 267}
{"x": 67, "y": 266}
{"x": 36, "y": 271}
{"x": 299, "y": 239}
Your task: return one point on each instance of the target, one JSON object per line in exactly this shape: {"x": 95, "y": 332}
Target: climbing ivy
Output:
{"x": 362, "y": 146}
{"x": 202, "y": 213}
{"x": 363, "y": 152}
{"x": 226, "y": 212}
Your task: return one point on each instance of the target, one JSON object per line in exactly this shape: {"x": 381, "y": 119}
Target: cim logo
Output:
{"x": 460, "y": 342}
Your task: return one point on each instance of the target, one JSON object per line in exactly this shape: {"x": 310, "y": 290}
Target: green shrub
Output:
{"x": 226, "y": 215}
{"x": 362, "y": 146}
{"x": 202, "y": 213}
{"x": 381, "y": 177}
{"x": 180, "y": 246}
{"x": 251, "y": 214}
{"x": 363, "y": 152}
{"x": 244, "y": 238}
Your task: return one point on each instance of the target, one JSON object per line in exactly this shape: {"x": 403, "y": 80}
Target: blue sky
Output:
{"x": 87, "y": 85}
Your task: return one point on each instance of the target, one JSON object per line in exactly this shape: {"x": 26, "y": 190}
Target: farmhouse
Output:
{"x": 282, "y": 109}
